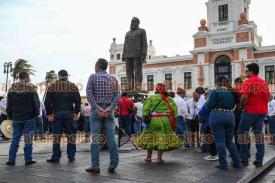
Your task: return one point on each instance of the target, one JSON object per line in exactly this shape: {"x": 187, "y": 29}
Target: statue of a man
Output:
{"x": 134, "y": 54}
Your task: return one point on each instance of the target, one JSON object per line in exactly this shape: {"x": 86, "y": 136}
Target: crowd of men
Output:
{"x": 246, "y": 106}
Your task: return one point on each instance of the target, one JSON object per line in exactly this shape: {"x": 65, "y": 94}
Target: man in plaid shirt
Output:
{"x": 103, "y": 94}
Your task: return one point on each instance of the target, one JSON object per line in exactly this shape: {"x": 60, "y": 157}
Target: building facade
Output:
{"x": 223, "y": 45}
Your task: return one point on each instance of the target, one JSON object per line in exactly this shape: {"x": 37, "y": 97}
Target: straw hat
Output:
{"x": 6, "y": 128}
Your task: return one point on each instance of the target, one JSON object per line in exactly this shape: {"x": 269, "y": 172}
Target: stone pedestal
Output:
{"x": 137, "y": 94}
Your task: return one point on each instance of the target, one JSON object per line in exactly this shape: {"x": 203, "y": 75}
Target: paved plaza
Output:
{"x": 181, "y": 166}
{"x": 267, "y": 177}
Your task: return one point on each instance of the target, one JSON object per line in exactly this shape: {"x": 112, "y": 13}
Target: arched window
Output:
{"x": 223, "y": 67}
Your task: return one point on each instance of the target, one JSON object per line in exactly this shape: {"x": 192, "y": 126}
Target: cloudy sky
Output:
{"x": 72, "y": 34}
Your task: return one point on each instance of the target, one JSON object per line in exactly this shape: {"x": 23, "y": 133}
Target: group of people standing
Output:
{"x": 24, "y": 108}
{"x": 170, "y": 121}
{"x": 129, "y": 115}
{"x": 224, "y": 117}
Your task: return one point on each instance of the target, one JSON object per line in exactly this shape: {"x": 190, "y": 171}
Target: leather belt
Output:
{"x": 223, "y": 110}
{"x": 102, "y": 104}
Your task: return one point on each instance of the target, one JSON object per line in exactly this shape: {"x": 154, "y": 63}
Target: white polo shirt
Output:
{"x": 182, "y": 106}
{"x": 271, "y": 108}
{"x": 139, "y": 107}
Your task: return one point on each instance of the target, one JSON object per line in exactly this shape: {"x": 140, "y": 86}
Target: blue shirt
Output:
{"x": 204, "y": 114}
{"x": 102, "y": 88}
{"x": 221, "y": 99}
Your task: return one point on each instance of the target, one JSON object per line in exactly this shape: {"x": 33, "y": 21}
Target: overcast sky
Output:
{"x": 72, "y": 34}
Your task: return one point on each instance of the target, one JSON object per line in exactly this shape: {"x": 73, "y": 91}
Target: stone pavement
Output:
{"x": 181, "y": 166}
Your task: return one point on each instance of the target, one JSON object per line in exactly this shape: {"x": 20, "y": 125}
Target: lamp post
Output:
{"x": 7, "y": 70}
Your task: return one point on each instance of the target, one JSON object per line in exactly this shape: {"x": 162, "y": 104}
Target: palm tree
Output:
{"x": 50, "y": 77}
{"x": 20, "y": 66}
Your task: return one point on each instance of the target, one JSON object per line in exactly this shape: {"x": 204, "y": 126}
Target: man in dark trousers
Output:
{"x": 126, "y": 109}
{"x": 62, "y": 105}
{"x": 22, "y": 107}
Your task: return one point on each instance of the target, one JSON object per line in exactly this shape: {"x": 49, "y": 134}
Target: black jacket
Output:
{"x": 62, "y": 96}
{"x": 23, "y": 101}
{"x": 135, "y": 44}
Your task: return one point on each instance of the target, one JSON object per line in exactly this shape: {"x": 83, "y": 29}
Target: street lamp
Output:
{"x": 7, "y": 70}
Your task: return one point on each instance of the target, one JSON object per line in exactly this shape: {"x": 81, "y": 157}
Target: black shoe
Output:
{"x": 53, "y": 160}
{"x": 10, "y": 163}
{"x": 221, "y": 167}
{"x": 71, "y": 160}
{"x": 236, "y": 166}
{"x": 30, "y": 162}
{"x": 111, "y": 170}
{"x": 258, "y": 164}
{"x": 245, "y": 163}
{"x": 93, "y": 170}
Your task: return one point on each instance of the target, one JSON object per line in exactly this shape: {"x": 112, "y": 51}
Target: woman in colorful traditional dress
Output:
{"x": 159, "y": 133}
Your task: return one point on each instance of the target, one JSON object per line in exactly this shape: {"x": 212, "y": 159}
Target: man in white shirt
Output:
{"x": 201, "y": 101}
{"x": 181, "y": 120}
{"x": 193, "y": 109}
{"x": 271, "y": 117}
{"x": 86, "y": 113}
{"x": 39, "y": 127}
{"x": 138, "y": 117}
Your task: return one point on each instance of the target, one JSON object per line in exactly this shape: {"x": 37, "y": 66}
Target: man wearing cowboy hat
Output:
{"x": 22, "y": 107}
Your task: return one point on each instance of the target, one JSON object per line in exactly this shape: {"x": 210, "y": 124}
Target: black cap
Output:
{"x": 23, "y": 75}
{"x": 63, "y": 73}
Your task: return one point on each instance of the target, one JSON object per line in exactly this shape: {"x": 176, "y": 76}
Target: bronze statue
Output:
{"x": 134, "y": 54}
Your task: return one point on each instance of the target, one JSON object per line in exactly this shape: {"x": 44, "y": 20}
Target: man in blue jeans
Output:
{"x": 138, "y": 116}
{"x": 86, "y": 113}
{"x": 181, "y": 120}
{"x": 22, "y": 107}
{"x": 62, "y": 105}
{"x": 102, "y": 94}
{"x": 39, "y": 127}
{"x": 255, "y": 96}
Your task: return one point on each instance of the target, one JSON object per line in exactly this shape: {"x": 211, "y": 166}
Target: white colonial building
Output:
{"x": 223, "y": 45}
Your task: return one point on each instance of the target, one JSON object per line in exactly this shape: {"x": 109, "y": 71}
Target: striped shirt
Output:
{"x": 102, "y": 88}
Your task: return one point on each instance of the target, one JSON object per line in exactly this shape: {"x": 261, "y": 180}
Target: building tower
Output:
{"x": 223, "y": 41}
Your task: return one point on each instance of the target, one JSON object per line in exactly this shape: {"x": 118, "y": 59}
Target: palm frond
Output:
{"x": 22, "y": 65}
